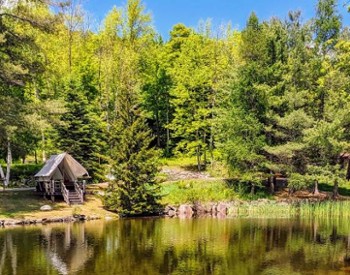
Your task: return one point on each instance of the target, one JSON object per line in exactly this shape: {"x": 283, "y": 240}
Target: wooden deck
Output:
{"x": 72, "y": 193}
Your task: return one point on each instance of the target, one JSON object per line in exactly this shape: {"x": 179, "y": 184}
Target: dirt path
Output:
{"x": 177, "y": 173}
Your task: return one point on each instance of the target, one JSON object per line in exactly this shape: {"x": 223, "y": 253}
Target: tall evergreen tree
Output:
{"x": 133, "y": 160}
{"x": 80, "y": 132}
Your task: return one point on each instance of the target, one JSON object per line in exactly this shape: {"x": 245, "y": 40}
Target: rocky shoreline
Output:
{"x": 73, "y": 218}
{"x": 228, "y": 209}
{"x": 198, "y": 209}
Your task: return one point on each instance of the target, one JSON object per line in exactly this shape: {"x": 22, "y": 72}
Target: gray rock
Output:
{"x": 214, "y": 209}
{"x": 222, "y": 208}
{"x": 168, "y": 208}
{"x": 185, "y": 209}
{"x": 171, "y": 213}
{"x": 199, "y": 209}
{"x": 46, "y": 208}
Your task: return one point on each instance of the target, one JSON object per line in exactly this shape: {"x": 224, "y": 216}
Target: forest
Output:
{"x": 272, "y": 98}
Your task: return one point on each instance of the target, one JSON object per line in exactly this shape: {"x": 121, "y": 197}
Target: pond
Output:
{"x": 178, "y": 246}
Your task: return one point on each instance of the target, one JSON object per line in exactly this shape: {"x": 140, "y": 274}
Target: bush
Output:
{"x": 298, "y": 182}
{"x": 22, "y": 173}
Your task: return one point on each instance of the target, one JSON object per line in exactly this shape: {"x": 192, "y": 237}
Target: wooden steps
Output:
{"x": 74, "y": 198}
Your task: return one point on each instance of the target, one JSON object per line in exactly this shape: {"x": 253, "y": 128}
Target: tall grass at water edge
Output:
{"x": 325, "y": 209}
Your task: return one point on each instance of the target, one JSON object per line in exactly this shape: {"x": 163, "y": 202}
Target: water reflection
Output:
{"x": 175, "y": 246}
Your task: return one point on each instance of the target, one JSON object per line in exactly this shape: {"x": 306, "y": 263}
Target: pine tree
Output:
{"x": 80, "y": 133}
{"x": 134, "y": 190}
{"x": 133, "y": 160}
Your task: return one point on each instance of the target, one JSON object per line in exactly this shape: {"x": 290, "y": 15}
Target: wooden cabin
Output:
{"x": 62, "y": 176}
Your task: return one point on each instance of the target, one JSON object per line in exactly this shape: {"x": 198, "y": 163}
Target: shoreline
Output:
{"x": 66, "y": 219}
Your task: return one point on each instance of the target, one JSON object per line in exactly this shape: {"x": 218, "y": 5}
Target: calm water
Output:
{"x": 174, "y": 246}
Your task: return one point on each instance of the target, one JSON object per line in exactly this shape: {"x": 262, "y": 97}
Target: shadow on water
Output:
{"x": 175, "y": 246}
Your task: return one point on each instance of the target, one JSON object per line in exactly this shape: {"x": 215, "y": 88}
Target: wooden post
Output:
{"x": 84, "y": 186}
{"x": 52, "y": 190}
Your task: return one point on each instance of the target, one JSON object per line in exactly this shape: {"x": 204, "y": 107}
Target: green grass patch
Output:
{"x": 183, "y": 162}
{"x": 14, "y": 204}
{"x": 191, "y": 191}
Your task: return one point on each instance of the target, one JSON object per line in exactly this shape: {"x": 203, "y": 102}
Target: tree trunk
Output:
{"x": 198, "y": 159}
{"x": 272, "y": 185}
{"x": 158, "y": 129}
{"x": 205, "y": 150}
{"x": 252, "y": 190}
{"x": 167, "y": 131}
{"x": 335, "y": 189}
{"x": 43, "y": 145}
{"x": 316, "y": 192}
{"x": 8, "y": 164}
{"x": 2, "y": 175}
{"x": 211, "y": 146}
{"x": 198, "y": 152}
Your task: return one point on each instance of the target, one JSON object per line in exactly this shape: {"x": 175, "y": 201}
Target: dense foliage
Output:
{"x": 272, "y": 98}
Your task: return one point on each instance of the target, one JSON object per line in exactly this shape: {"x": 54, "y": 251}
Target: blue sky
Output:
{"x": 167, "y": 13}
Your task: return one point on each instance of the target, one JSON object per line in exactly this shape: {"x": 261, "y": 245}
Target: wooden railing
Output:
{"x": 52, "y": 187}
{"x": 65, "y": 193}
{"x": 47, "y": 187}
{"x": 79, "y": 191}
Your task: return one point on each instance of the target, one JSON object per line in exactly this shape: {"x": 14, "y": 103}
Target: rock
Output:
{"x": 208, "y": 207}
{"x": 10, "y": 222}
{"x": 186, "y": 210}
{"x": 214, "y": 209}
{"x": 169, "y": 208}
{"x": 79, "y": 217}
{"x": 222, "y": 208}
{"x": 199, "y": 209}
{"x": 171, "y": 213}
{"x": 46, "y": 208}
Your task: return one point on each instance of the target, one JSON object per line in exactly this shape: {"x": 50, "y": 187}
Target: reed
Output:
{"x": 325, "y": 209}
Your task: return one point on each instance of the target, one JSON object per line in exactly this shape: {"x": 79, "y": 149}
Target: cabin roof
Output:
{"x": 62, "y": 166}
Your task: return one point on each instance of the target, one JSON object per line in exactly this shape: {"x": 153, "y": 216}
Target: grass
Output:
{"x": 263, "y": 211}
{"x": 183, "y": 162}
{"x": 191, "y": 191}
{"x": 324, "y": 210}
{"x": 26, "y": 205}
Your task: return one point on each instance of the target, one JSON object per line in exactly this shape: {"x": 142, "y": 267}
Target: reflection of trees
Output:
{"x": 221, "y": 246}
{"x": 172, "y": 246}
{"x": 8, "y": 249}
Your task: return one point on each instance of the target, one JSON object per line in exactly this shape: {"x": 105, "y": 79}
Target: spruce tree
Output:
{"x": 133, "y": 161}
{"x": 80, "y": 133}
{"x": 134, "y": 190}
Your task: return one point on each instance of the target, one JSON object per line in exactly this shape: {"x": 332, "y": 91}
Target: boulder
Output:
{"x": 171, "y": 213}
{"x": 222, "y": 208}
{"x": 199, "y": 209}
{"x": 169, "y": 208}
{"x": 46, "y": 208}
{"x": 214, "y": 209}
{"x": 185, "y": 209}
